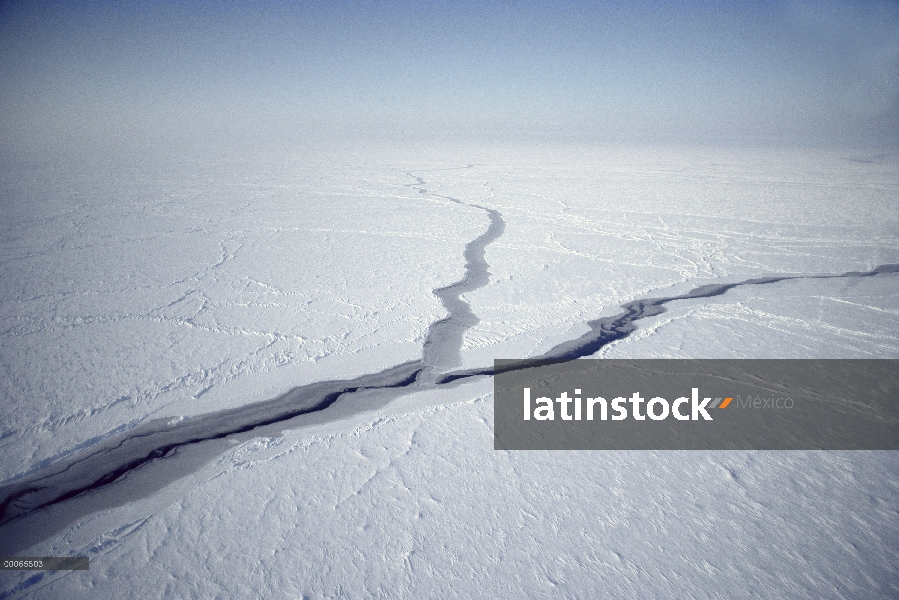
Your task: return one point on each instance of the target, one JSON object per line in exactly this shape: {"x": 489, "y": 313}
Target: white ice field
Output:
{"x": 173, "y": 286}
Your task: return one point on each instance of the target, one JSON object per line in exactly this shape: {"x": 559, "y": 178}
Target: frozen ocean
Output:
{"x": 261, "y": 374}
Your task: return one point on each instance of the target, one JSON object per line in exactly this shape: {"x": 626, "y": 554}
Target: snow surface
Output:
{"x": 176, "y": 286}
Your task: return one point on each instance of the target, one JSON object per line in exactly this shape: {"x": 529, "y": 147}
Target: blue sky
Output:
{"x": 781, "y": 72}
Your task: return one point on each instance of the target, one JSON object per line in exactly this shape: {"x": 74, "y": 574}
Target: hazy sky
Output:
{"x": 820, "y": 72}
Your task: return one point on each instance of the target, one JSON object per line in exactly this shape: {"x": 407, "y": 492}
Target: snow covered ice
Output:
{"x": 172, "y": 287}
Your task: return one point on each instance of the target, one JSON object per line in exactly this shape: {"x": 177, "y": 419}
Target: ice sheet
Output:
{"x": 187, "y": 288}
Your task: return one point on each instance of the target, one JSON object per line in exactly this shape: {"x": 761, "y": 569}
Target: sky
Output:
{"x": 794, "y": 72}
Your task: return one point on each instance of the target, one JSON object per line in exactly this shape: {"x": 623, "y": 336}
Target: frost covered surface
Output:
{"x": 420, "y": 505}
{"x": 169, "y": 288}
{"x": 130, "y": 291}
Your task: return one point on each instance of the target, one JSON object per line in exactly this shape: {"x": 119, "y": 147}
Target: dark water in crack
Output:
{"x": 136, "y": 463}
{"x": 442, "y": 348}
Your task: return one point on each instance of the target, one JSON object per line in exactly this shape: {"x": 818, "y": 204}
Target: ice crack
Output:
{"x": 442, "y": 348}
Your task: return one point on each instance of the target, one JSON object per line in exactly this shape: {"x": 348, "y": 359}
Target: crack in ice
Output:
{"x": 442, "y": 348}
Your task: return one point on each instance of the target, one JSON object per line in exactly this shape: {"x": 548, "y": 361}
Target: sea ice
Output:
{"x": 176, "y": 289}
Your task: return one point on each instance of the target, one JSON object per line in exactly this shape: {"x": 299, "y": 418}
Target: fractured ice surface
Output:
{"x": 188, "y": 288}
{"x": 126, "y": 293}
